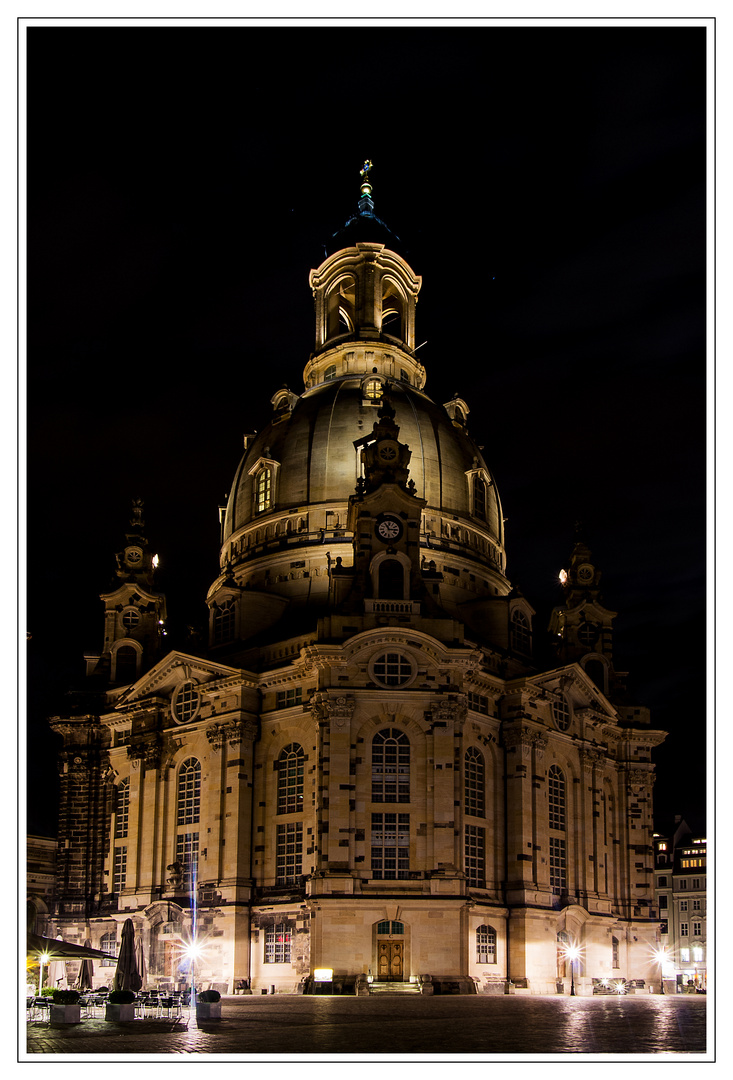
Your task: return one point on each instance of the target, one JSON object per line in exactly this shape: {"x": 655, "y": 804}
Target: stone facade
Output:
{"x": 366, "y": 774}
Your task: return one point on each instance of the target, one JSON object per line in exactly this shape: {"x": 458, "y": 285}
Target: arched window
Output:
{"x": 372, "y": 389}
{"x": 224, "y": 623}
{"x": 557, "y": 817}
{"x": 329, "y": 373}
{"x": 263, "y": 490}
{"x": 486, "y": 945}
{"x": 596, "y": 671}
{"x": 556, "y": 795}
{"x": 122, "y": 808}
{"x": 189, "y": 792}
{"x": 614, "y": 953}
{"x": 479, "y": 497}
{"x": 391, "y": 580}
{"x": 125, "y": 664}
{"x": 390, "y": 766}
{"x": 390, "y": 927}
{"x": 521, "y": 636}
{"x": 474, "y": 780}
{"x": 290, "y": 769}
{"x": 563, "y": 941}
{"x": 108, "y": 944}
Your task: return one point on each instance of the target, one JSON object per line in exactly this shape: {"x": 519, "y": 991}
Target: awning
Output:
{"x": 63, "y": 950}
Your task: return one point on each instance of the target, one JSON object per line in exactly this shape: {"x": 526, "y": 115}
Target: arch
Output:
{"x": 520, "y": 632}
{"x": 390, "y": 766}
{"x": 393, "y": 308}
{"x": 391, "y": 579}
{"x": 596, "y": 668}
{"x": 290, "y": 774}
{"x": 263, "y": 490}
{"x": 340, "y": 307}
{"x": 188, "y": 801}
{"x": 224, "y": 621}
{"x": 126, "y": 658}
{"x": 474, "y": 782}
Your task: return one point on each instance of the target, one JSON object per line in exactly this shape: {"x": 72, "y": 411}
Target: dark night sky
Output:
{"x": 550, "y": 185}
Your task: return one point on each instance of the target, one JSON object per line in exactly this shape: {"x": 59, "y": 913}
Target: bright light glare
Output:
{"x": 620, "y": 988}
{"x": 572, "y": 952}
{"x": 563, "y": 575}
{"x": 156, "y": 561}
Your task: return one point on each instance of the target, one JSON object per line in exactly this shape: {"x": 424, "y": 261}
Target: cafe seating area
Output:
{"x": 149, "y": 1005}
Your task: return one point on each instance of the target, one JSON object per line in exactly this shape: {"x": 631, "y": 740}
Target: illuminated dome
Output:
{"x": 286, "y": 518}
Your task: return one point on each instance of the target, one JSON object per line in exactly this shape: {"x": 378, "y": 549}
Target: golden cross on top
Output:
{"x": 366, "y": 187}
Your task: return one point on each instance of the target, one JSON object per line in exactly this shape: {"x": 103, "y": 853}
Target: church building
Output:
{"x": 364, "y": 779}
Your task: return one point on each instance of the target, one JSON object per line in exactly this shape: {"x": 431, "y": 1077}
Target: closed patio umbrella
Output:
{"x": 140, "y": 959}
{"x": 127, "y": 977}
{"x": 86, "y": 971}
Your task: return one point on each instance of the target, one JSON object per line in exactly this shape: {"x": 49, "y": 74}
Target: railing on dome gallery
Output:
{"x": 392, "y": 607}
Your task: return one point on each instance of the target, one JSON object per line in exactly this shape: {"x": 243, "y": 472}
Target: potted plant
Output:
{"x": 65, "y": 1008}
{"x": 208, "y": 1005}
{"x": 120, "y": 1006}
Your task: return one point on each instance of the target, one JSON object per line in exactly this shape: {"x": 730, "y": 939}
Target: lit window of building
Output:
{"x": 289, "y": 852}
{"x": 390, "y": 766}
{"x": 486, "y": 945}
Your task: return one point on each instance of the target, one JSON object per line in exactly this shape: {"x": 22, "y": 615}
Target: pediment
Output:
{"x": 586, "y": 694}
{"x": 166, "y": 676}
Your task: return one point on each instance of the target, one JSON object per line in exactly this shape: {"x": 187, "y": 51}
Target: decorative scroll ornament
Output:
{"x": 447, "y": 711}
{"x": 592, "y": 758}
{"x": 639, "y": 778}
{"x": 234, "y": 733}
{"x": 335, "y": 711}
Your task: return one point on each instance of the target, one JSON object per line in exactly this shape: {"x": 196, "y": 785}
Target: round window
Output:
{"x": 561, "y": 713}
{"x": 186, "y": 703}
{"x": 392, "y": 669}
{"x": 130, "y": 618}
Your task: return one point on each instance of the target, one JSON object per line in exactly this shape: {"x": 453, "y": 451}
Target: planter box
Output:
{"x": 208, "y": 1010}
{"x": 120, "y": 1013}
{"x": 65, "y": 1014}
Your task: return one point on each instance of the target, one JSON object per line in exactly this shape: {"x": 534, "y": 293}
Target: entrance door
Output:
{"x": 390, "y": 965}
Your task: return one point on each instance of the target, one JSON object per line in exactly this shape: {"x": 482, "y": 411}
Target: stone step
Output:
{"x": 394, "y": 988}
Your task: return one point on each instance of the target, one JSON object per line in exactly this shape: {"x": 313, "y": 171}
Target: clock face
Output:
{"x": 134, "y": 556}
{"x": 585, "y": 573}
{"x": 389, "y": 529}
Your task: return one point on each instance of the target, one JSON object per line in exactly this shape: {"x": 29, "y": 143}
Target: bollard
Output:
{"x": 272, "y": 989}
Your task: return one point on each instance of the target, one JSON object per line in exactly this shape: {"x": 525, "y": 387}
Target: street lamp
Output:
{"x": 572, "y": 952}
{"x": 43, "y": 959}
{"x": 660, "y": 955}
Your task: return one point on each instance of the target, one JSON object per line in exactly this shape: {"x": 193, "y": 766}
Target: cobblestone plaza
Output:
{"x": 390, "y": 1028}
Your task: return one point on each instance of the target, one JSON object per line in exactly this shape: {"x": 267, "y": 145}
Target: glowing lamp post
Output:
{"x": 572, "y": 952}
{"x": 193, "y": 949}
{"x": 43, "y": 959}
{"x": 660, "y": 955}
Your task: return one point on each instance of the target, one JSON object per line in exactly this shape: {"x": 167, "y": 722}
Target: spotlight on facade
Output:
{"x": 323, "y": 975}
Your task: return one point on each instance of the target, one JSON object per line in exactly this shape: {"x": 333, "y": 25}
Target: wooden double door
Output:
{"x": 390, "y": 961}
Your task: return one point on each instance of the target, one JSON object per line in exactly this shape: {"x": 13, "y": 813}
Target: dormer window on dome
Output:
{"x": 372, "y": 389}
{"x": 264, "y": 475}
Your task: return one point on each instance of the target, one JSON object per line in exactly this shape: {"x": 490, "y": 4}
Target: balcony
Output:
{"x": 391, "y": 607}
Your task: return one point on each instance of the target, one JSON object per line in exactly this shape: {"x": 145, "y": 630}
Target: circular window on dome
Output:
{"x": 392, "y": 669}
{"x": 130, "y": 618}
{"x": 561, "y": 713}
{"x": 186, "y": 703}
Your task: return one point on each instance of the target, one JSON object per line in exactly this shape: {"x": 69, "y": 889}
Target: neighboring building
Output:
{"x": 680, "y": 889}
{"x": 365, "y": 775}
{"x": 40, "y": 881}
